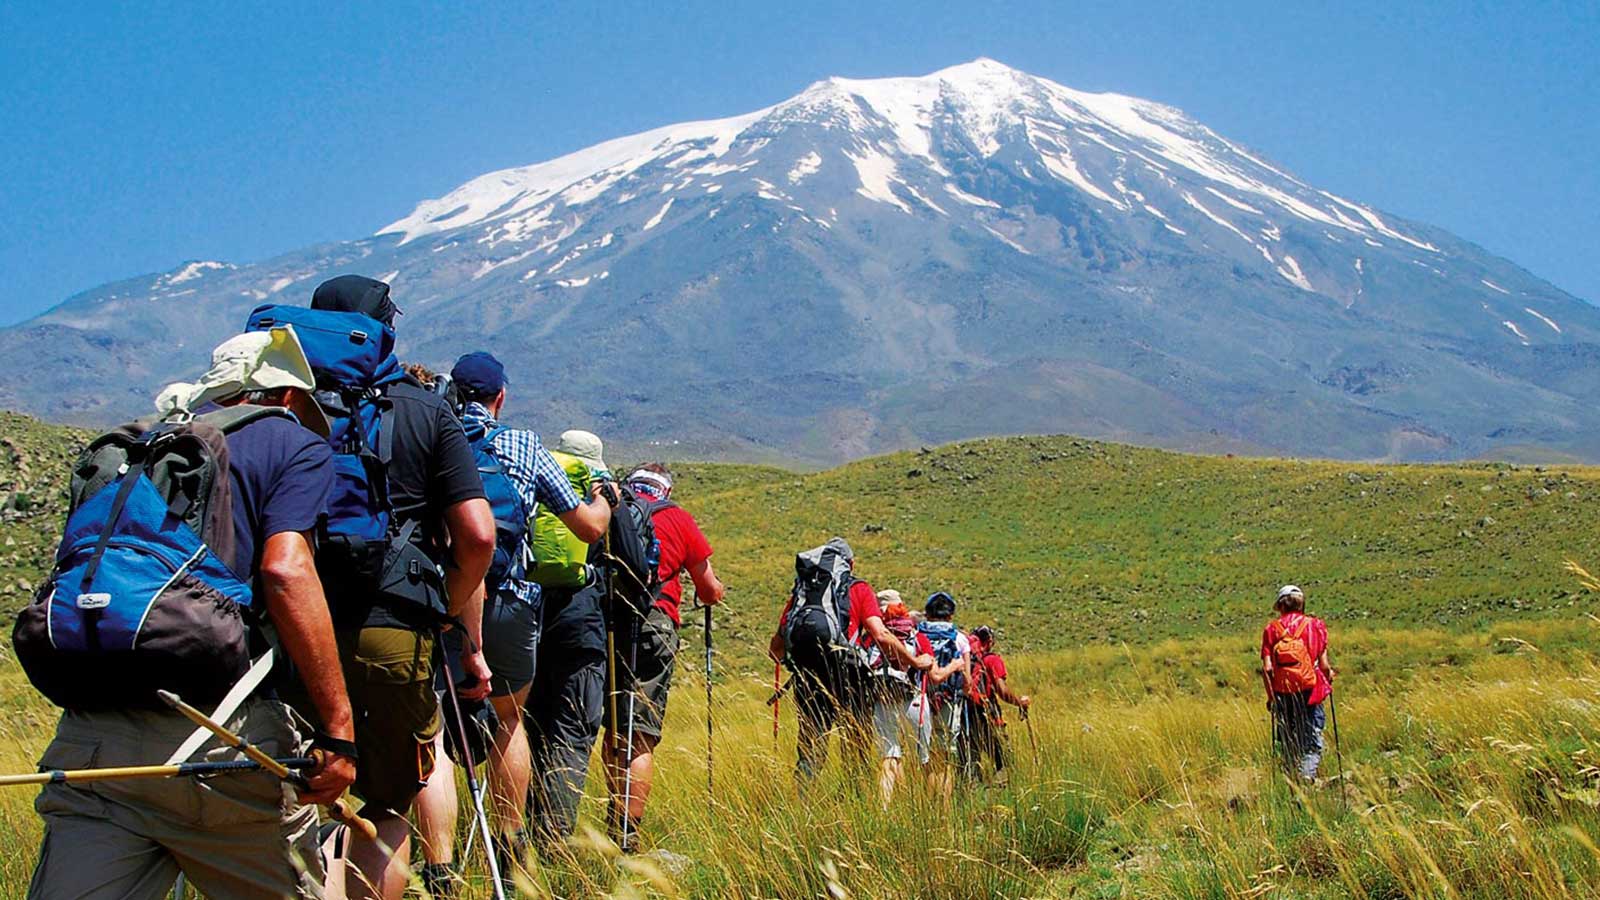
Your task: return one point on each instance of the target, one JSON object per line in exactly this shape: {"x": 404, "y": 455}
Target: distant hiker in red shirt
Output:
{"x": 684, "y": 548}
{"x": 986, "y": 691}
{"x": 1294, "y": 668}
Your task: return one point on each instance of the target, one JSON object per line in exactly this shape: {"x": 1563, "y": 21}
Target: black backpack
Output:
{"x": 630, "y": 551}
{"x": 816, "y": 635}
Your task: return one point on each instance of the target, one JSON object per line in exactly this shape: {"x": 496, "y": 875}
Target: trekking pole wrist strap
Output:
{"x": 336, "y": 746}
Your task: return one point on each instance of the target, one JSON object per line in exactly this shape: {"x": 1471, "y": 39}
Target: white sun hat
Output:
{"x": 253, "y": 361}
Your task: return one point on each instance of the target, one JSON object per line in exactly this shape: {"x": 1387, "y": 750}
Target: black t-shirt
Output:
{"x": 282, "y": 476}
{"x": 432, "y": 468}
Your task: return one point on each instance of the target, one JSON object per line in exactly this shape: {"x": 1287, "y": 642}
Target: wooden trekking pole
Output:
{"x": 180, "y": 770}
{"x": 341, "y": 810}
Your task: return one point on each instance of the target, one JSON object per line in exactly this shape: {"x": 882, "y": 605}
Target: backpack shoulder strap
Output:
{"x": 229, "y": 419}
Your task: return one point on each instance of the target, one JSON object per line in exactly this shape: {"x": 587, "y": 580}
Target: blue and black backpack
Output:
{"x": 142, "y": 597}
{"x": 511, "y": 514}
{"x": 943, "y": 636}
{"x": 361, "y": 548}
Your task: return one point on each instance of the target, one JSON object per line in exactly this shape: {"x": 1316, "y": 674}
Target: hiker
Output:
{"x": 520, "y": 478}
{"x": 238, "y": 835}
{"x": 825, "y": 633}
{"x": 408, "y": 541}
{"x": 564, "y": 708}
{"x": 986, "y": 691}
{"x": 683, "y": 548}
{"x": 893, "y": 690}
{"x": 938, "y": 707}
{"x": 1295, "y": 671}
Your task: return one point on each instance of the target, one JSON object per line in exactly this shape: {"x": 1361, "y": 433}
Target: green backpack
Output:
{"x": 559, "y": 556}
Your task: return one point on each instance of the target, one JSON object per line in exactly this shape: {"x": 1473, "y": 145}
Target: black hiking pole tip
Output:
{"x": 1338, "y": 750}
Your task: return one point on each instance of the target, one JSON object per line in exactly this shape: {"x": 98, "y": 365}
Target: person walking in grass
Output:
{"x": 985, "y": 692}
{"x": 893, "y": 689}
{"x": 938, "y": 707}
{"x": 630, "y": 769}
{"x": 1296, "y": 674}
{"x": 826, "y": 632}
{"x": 564, "y": 709}
{"x": 523, "y": 480}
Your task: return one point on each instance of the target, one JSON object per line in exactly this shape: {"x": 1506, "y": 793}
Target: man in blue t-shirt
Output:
{"x": 244, "y": 835}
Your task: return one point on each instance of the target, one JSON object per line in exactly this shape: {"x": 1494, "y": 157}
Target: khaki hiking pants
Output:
{"x": 238, "y": 835}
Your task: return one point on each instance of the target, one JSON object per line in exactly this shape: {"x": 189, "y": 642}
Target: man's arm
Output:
{"x": 1322, "y": 663}
{"x": 299, "y": 613}
{"x": 1005, "y": 693}
{"x": 588, "y": 520}
{"x": 708, "y": 589}
{"x": 470, "y": 524}
{"x": 893, "y": 646}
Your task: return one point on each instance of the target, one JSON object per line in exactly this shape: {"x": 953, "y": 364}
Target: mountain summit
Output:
{"x": 877, "y": 263}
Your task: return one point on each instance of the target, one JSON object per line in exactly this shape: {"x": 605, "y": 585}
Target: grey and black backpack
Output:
{"x": 816, "y": 635}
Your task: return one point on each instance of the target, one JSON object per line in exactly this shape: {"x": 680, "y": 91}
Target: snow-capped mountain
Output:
{"x": 873, "y": 264}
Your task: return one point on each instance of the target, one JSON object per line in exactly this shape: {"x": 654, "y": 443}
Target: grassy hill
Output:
{"x": 1128, "y": 586}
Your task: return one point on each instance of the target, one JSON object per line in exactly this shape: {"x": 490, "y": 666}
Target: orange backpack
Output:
{"x": 1293, "y": 669}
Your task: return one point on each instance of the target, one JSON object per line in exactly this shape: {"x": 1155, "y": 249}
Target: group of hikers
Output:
{"x": 350, "y": 575}
{"x": 864, "y": 662}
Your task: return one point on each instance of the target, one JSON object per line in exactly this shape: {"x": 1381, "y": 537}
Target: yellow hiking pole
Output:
{"x": 179, "y": 770}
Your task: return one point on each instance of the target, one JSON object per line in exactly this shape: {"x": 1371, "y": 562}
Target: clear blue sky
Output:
{"x": 133, "y": 139}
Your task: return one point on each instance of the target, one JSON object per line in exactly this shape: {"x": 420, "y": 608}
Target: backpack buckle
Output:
{"x": 358, "y": 337}
{"x": 414, "y": 569}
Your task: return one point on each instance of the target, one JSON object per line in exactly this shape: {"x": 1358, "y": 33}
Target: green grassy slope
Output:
{"x": 1063, "y": 542}
{"x": 1129, "y": 586}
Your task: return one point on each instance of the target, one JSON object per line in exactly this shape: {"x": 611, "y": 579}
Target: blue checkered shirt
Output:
{"x": 537, "y": 475}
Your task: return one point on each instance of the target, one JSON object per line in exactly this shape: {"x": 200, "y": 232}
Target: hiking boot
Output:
{"x": 510, "y": 853}
{"x": 439, "y": 880}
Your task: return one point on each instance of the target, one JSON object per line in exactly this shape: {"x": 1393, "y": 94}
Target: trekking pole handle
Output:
{"x": 341, "y": 810}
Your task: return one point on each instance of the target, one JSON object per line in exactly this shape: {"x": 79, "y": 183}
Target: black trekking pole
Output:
{"x": 710, "y": 790}
{"x": 474, "y": 787}
{"x": 1031, "y": 742}
{"x": 1338, "y": 751}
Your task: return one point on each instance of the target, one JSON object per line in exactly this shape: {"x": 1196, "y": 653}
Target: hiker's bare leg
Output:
{"x": 510, "y": 763}
{"x": 888, "y": 776}
{"x": 437, "y": 808}
{"x": 381, "y": 870}
{"x": 643, "y": 769}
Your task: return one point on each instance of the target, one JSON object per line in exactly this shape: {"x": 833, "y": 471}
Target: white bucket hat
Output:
{"x": 1290, "y": 590}
{"x": 254, "y": 361}
{"x": 586, "y": 446}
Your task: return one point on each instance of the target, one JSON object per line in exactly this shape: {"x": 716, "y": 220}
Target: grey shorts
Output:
{"x": 510, "y": 644}
{"x": 658, "y": 649}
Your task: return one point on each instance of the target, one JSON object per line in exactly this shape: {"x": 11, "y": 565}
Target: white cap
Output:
{"x": 661, "y": 482}
{"x": 585, "y": 446}
{"x": 1290, "y": 590}
{"x": 253, "y": 361}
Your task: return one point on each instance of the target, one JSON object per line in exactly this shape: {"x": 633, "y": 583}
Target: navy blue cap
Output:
{"x": 479, "y": 374}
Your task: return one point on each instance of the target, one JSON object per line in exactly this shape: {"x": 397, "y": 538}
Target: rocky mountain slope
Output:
{"x": 876, "y": 264}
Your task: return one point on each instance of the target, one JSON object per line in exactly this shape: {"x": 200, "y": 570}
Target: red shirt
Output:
{"x": 863, "y": 606}
{"x": 993, "y": 669}
{"x": 1316, "y": 643}
{"x": 682, "y": 545}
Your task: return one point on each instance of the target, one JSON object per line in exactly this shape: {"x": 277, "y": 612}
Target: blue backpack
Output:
{"x": 353, "y": 358}
{"x": 942, "y": 636}
{"x": 511, "y": 515}
{"x": 142, "y": 597}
